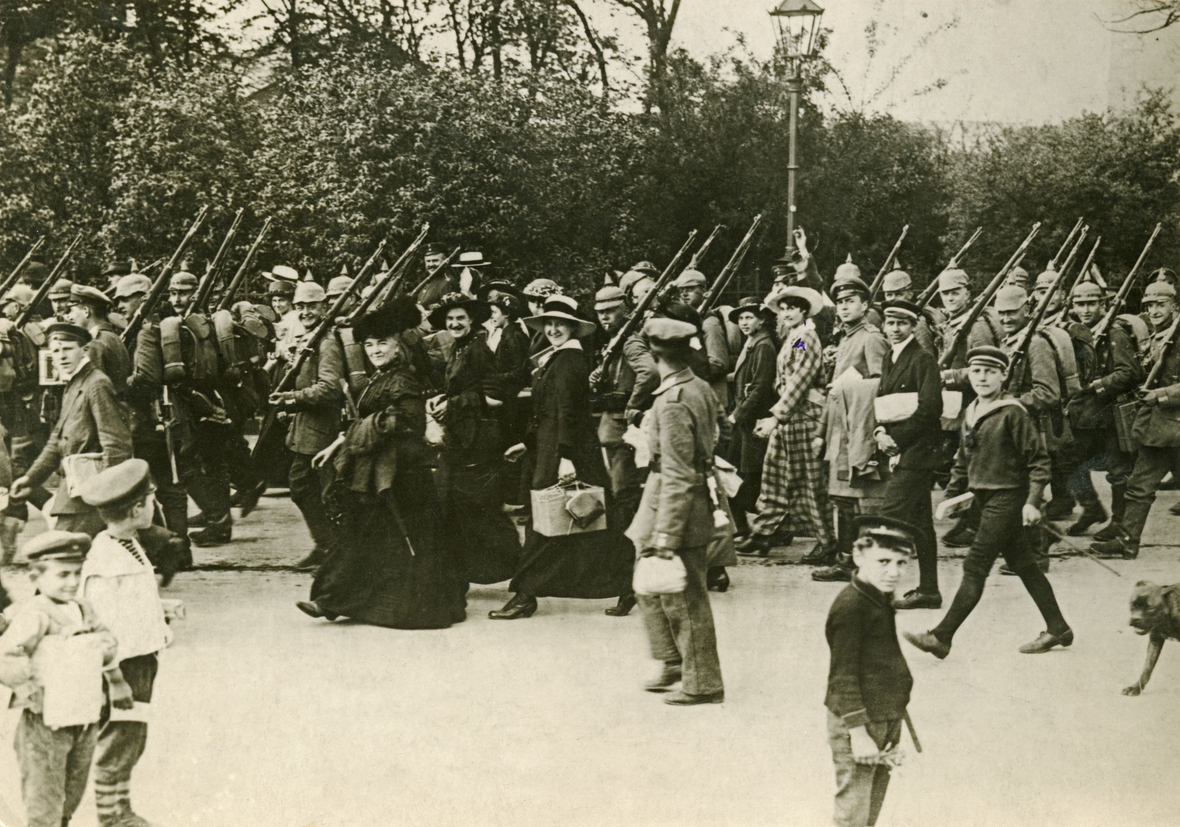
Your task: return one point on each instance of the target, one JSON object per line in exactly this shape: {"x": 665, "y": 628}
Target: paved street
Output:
{"x": 266, "y": 717}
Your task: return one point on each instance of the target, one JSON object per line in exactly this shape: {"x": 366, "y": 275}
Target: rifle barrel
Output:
{"x": 700, "y": 254}
{"x": 16, "y": 271}
{"x": 713, "y": 294}
{"x": 47, "y": 285}
{"x": 928, "y": 292}
{"x": 1120, "y": 298}
{"x": 446, "y": 261}
{"x": 1065, "y": 244}
{"x": 240, "y": 275}
{"x": 879, "y": 279}
{"x": 210, "y": 278}
{"x": 160, "y": 284}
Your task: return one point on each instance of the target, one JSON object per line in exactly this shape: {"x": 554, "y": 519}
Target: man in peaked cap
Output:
{"x": 862, "y": 348}
{"x": 313, "y": 408}
{"x": 442, "y": 282}
{"x": 690, "y": 287}
{"x": 620, "y": 391}
{"x": 915, "y": 440}
{"x": 1117, "y": 371}
{"x": 91, "y": 310}
{"x": 61, "y": 298}
{"x": 675, "y": 518}
{"x": 1156, "y": 427}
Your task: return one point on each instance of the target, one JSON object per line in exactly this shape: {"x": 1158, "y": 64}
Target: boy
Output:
{"x": 120, "y": 584}
{"x": 868, "y": 681}
{"x": 1002, "y": 460}
{"x": 54, "y": 761}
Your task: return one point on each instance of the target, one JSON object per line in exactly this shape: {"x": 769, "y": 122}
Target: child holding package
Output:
{"x": 868, "y": 681}
{"x": 120, "y": 583}
{"x": 53, "y": 655}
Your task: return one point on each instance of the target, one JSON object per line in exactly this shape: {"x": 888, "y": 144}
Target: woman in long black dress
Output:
{"x": 564, "y": 442}
{"x": 392, "y": 568}
{"x": 483, "y": 538}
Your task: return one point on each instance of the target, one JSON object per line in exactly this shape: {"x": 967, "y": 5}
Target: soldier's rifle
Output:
{"x": 981, "y": 303}
{"x": 6, "y": 285}
{"x": 205, "y": 287}
{"x": 1068, "y": 285}
{"x": 227, "y": 297}
{"x": 47, "y": 285}
{"x": 1052, "y": 265}
{"x": 641, "y": 311}
{"x": 445, "y": 263}
{"x": 161, "y": 283}
{"x": 932, "y": 288}
{"x": 1038, "y": 315}
{"x": 879, "y": 279}
{"x": 394, "y": 276}
{"x": 1102, "y": 329}
{"x": 699, "y": 255}
{"x": 664, "y": 282}
{"x": 714, "y": 293}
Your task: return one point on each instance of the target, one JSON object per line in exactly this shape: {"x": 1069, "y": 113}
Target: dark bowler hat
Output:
{"x": 126, "y": 482}
{"x": 887, "y": 531}
{"x": 750, "y": 304}
{"x": 660, "y": 329}
{"x": 70, "y": 546}
{"x": 902, "y": 308}
{"x": 851, "y": 285}
{"x": 89, "y": 295}
{"x": 992, "y": 357}
{"x": 65, "y": 330}
{"x": 479, "y": 310}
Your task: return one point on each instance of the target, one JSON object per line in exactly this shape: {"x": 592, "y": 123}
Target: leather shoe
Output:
{"x": 313, "y": 609}
{"x": 717, "y": 579}
{"x": 521, "y": 605}
{"x": 1119, "y": 548}
{"x": 248, "y": 500}
{"x": 1091, "y": 514}
{"x": 919, "y": 600}
{"x": 198, "y": 520}
{"x": 623, "y": 607}
{"x": 1046, "y": 641}
{"x": 1058, "y": 508}
{"x": 819, "y": 556}
{"x": 669, "y": 677}
{"x": 753, "y": 546}
{"x": 684, "y": 699}
{"x": 833, "y": 574}
{"x": 215, "y": 534}
{"x": 961, "y": 537}
{"x": 927, "y": 642}
{"x": 314, "y": 559}
{"x": 1108, "y": 532}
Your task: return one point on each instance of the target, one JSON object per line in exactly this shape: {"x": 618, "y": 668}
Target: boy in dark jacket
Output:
{"x": 868, "y": 681}
{"x": 1003, "y": 461}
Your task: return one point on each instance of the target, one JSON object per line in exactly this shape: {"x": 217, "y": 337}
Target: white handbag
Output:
{"x": 659, "y": 575}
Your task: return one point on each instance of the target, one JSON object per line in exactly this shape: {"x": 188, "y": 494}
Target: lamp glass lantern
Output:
{"x": 797, "y": 23}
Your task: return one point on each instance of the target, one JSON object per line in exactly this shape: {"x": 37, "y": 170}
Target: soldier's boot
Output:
{"x": 215, "y": 534}
{"x": 1092, "y": 512}
{"x": 10, "y": 529}
{"x": 1118, "y": 506}
{"x": 1125, "y": 544}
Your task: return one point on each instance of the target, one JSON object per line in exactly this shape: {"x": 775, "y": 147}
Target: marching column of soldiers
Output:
{"x": 830, "y": 401}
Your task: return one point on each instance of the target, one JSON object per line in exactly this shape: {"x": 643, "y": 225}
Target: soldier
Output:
{"x": 1156, "y": 430}
{"x": 434, "y": 255}
{"x": 337, "y": 287}
{"x": 853, "y": 483}
{"x": 915, "y": 439}
{"x": 1091, "y": 415}
{"x": 61, "y": 298}
{"x": 1017, "y": 277}
{"x": 315, "y": 405}
{"x": 91, "y": 310}
{"x": 954, "y": 289}
{"x": 92, "y": 421}
{"x": 676, "y": 518}
{"x": 690, "y": 287}
{"x": 621, "y": 391}
{"x": 18, "y": 387}
{"x": 898, "y": 286}
{"x": 1033, "y": 381}
{"x": 17, "y": 300}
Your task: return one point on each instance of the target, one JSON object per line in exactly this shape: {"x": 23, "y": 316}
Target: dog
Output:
{"x": 1155, "y": 611}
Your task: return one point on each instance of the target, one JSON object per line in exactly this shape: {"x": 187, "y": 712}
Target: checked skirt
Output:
{"x": 794, "y": 492}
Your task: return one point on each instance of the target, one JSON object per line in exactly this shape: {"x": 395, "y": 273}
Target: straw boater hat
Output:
{"x": 472, "y": 259}
{"x": 814, "y": 301}
{"x": 479, "y": 310}
{"x": 560, "y": 308}
{"x": 281, "y": 272}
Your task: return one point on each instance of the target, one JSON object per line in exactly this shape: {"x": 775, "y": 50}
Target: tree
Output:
{"x": 1151, "y": 16}
{"x": 659, "y": 19}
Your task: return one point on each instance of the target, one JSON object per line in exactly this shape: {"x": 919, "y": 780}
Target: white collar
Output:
{"x": 900, "y": 346}
{"x": 85, "y": 361}
{"x": 569, "y": 344}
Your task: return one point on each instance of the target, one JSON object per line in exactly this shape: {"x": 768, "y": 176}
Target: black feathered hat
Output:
{"x": 401, "y": 313}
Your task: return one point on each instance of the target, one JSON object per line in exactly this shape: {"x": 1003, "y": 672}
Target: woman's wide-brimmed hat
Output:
{"x": 560, "y": 308}
{"x": 750, "y": 304}
{"x": 479, "y": 310}
{"x": 814, "y": 301}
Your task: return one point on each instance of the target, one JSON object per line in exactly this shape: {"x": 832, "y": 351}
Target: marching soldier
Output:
{"x": 1091, "y": 415}
{"x": 442, "y": 283}
{"x": 61, "y": 298}
{"x": 314, "y": 407}
{"x": 690, "y": 287}
{"x": 862, "y": 349}
{"x": 676, "y": 518}
{"x": 898, "y": 286}
{"x": 91, "y": 310}
{"x": 1157, "y": 428}
{"x": 18, "y": 390}
{"x": 954, "y": 289}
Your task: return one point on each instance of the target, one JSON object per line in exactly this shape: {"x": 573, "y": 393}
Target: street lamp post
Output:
{"x": 796, "y": 24}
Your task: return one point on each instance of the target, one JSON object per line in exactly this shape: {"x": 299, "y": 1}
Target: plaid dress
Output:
{"x": 794, "y": 486}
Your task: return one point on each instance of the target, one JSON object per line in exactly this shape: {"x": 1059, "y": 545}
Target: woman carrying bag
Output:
{"x": 562, "y": 437}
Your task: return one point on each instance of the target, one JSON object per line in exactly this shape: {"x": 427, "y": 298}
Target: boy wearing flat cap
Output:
{"x": 1003, "y": 463}
{"x": 675, "y": 517}
{"x": 120, "y": 585}
{"x": 55, "y": 757}
{"x": 869, "y": 681}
